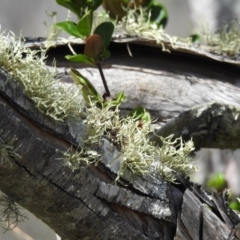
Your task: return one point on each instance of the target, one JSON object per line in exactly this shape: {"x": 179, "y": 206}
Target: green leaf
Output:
{"x": 79, "y": 6}
{"x": 69, "y": 27}
{"x": 81, "y": 59}
{"x": 84, "y": 25}
{"x": 195, "y": 38}
{"x": 217, "y": 182}
{"x": 120, "y": 97}
{"x": 88, "y": 90}
{"x": 96, "y": 4}
{"x": 159, "y": 14}
{"x": 140, "y": 113}
{"x": 105, "y": 31}
{"x": 106, "y": 54}
{"x": 234, "y": 205}
{"x": 72, "y": 5}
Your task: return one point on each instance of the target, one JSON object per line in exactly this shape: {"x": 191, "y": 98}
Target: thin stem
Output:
{"x": 99, "y": 65}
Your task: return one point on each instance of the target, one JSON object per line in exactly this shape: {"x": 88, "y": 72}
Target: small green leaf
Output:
{"x": 84, "y": 25}
{"x": 105, "y": 31}
{"x": 217, "y": 182}
{"x": 159, "y": 14}
{"x": 234, "y": 205}
{"x": 88, "y": 90}
{"x": 120, "y": 97}
{"x": 140, "y": 113}
{"x": 81, "y": 59}
{"x": 195, "y": 38}
{"x": 69, "y": 27}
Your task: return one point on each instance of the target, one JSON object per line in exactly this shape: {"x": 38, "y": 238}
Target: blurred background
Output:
{"x": 29, "y": 17}
{"x": 185, "y": 16}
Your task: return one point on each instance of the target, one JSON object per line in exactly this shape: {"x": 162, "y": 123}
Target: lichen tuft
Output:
{"x": 40, "y": 83}
{"x": 7, "y": 151}
{"x": 225, "y": 41}
{"x": 10, "y": 212}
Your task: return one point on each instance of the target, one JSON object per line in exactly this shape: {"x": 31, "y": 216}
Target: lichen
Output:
{"x": 40, "y": 83}
{"x": 10, "y": 212}
{"x": 125, "y": 133}
{"x": 130, "y": 137}
{"x": 7, "y": 151}
{"x": 174, "y": 155}
{"x": 128, "y": 134}
{"x": 76, "y": 158}
{"x": 225, "y": 41}
{"x": 137, "y": 23}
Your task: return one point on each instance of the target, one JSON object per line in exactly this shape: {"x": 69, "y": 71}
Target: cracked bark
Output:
{"x": 85, "y": 204}
{"x": 73, "y": 203}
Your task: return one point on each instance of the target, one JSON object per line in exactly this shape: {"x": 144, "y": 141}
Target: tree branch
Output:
{"x": 213, "y": 125}
{"x": 85, "y": 202}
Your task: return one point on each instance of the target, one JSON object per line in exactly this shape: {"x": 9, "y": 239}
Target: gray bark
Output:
{"x": 79, "y": 204}
{"x": 86, "y": 204}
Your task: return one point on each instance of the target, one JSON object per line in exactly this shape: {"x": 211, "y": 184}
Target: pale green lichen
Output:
{"x": 53, "y": 31}
{"x": 175, "y": 155}
{"x": 124, "y": 133}
{"x": 7, "y": 151}
{"x": 10, "y": 212}
{"x": 130, "y": 136}
{"x": 225, "y": 41}
{"x": 137, "y": 23}
{"x": 127, "y": 134}
{"x": 40, "y": 84}
{"x": 74, "y": 158}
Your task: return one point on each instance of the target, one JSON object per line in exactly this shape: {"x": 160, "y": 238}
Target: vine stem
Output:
{"x": 108, "y": 94}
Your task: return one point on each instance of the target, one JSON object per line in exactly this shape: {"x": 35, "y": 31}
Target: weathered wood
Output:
{"x": 213, "y": 227}
{"x": 167, "y": 84}
{"x": 199, "y": 222}
{"x": 85, "y": 204}
{"x": 211, "y": 125}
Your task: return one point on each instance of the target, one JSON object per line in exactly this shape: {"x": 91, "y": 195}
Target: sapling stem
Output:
{"x": 107, "y": 92}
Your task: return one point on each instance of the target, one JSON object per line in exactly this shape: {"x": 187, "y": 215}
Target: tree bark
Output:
{"x": 86, "y": 203}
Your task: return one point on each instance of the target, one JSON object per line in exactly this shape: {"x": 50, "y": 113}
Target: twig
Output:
{"x": 107, "y": 94}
